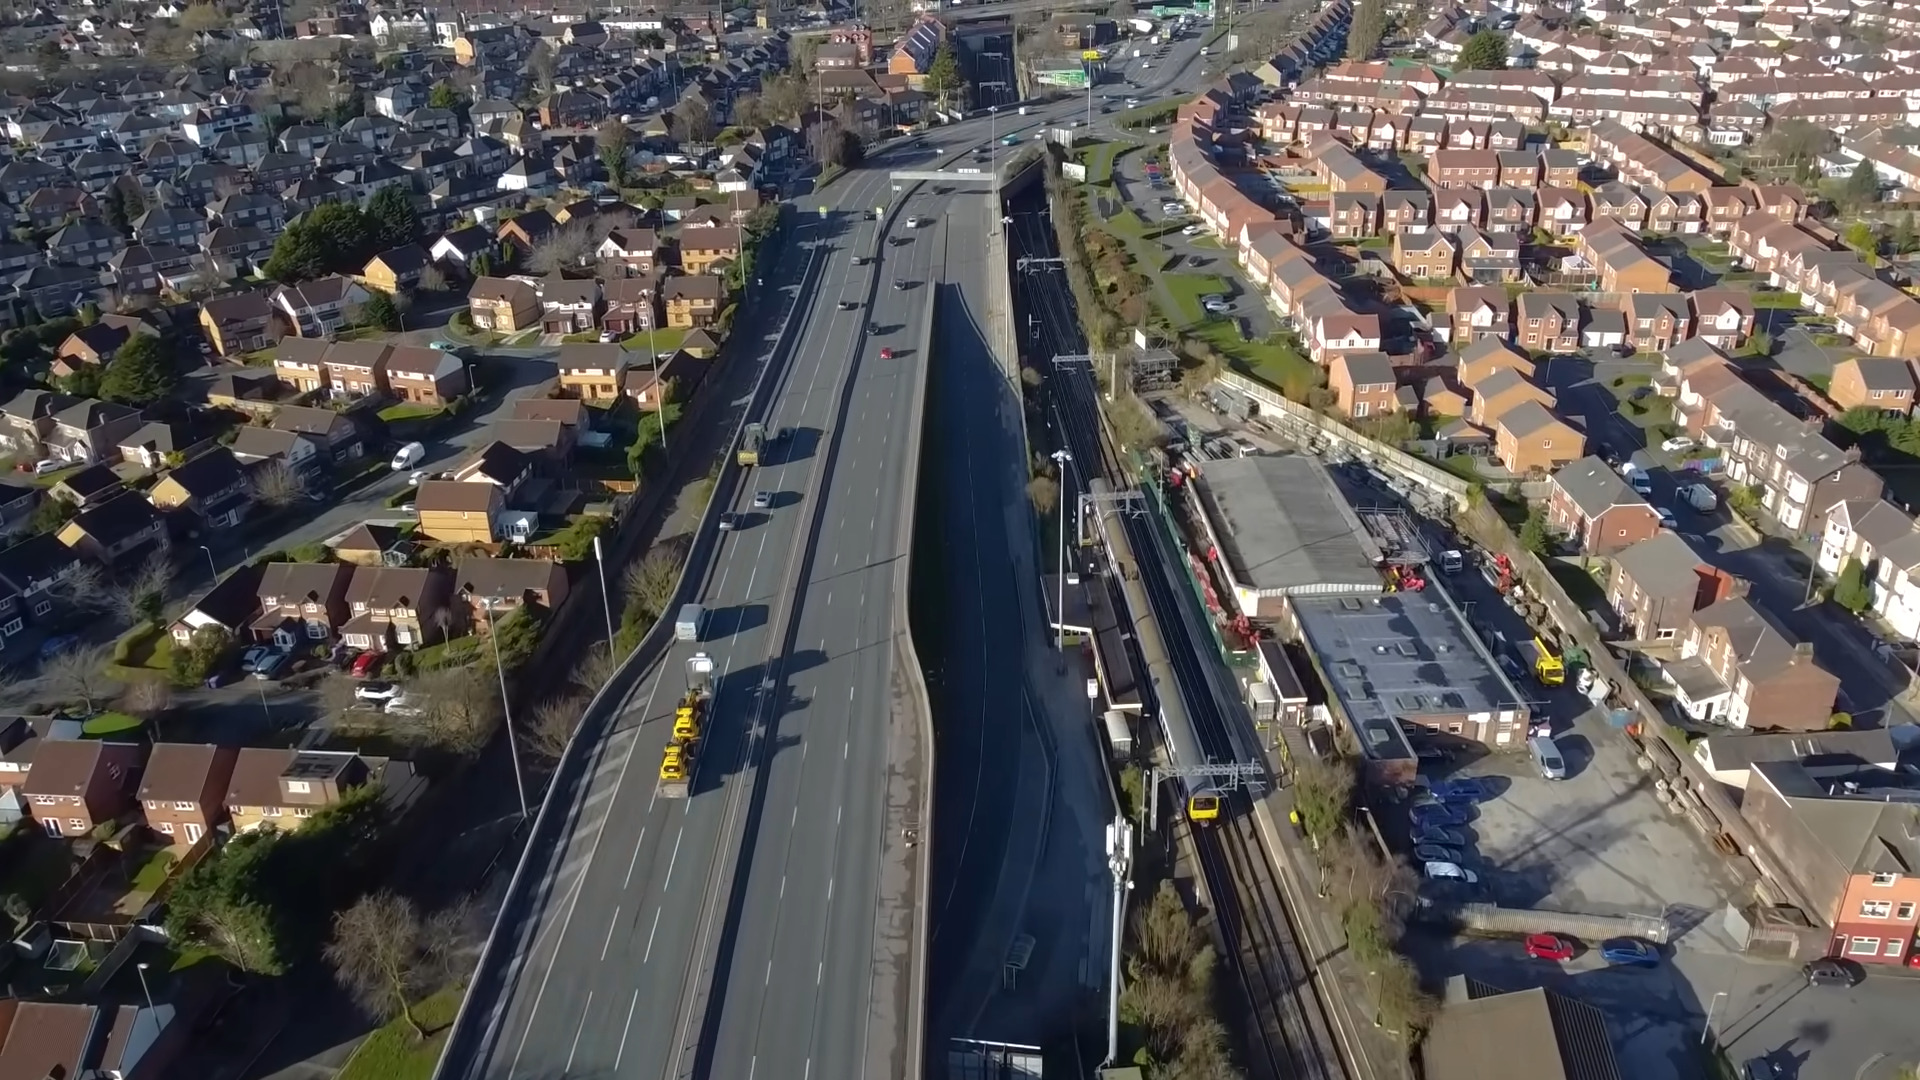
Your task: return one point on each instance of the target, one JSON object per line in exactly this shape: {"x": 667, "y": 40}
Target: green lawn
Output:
{"x": 153, "y": 873}
{"x": 111, "y": 723}
{"x": 664, "y": 341}
{"x": 392, "y": 1053}
{"x": 53, "y": 478}
{"x": 410, "y": 410}
{"x": 1774, "y": 299}
{"x": 1186, "y": 290}
{"x": 1099, "y": 161}
{"x": 1276, "y": 365}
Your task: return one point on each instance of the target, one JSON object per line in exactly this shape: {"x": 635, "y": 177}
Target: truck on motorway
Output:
{"x": 679, "y": 757}
{"x": 752, "y": 441}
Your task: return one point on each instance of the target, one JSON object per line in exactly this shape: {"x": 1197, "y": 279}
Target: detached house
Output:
{"x": 183, "y": 791}
{"x": 503, "y": 305}
{"x": 426, "y": 376}
{"x": 319, "y": 307}
{"x": 702, "y": 249}
{"x": 592, "y": 372}
{"x": 76, "y": 784}
{"x": 242, "y": 323}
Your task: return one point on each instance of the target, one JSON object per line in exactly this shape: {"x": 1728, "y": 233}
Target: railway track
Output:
{"x": 1289, "y": 1036}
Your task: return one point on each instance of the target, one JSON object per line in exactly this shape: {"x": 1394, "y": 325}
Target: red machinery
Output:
{"x": 1503, "y": 566}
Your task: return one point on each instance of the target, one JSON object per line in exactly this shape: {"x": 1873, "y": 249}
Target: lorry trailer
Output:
{"x": 680, "y": 757}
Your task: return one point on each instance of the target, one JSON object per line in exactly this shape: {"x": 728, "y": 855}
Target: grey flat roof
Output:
{"x": 1284, "y": 528}
{"x": 1404, "y": 655}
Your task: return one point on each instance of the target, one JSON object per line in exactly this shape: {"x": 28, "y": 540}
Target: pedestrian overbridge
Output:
{"x": 987, "y": 177}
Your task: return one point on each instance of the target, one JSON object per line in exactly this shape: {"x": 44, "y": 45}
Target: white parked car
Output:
{"x": 48, "y": 465}
{"x": 1679, "y": 444}
{"x": 252, "y": 657}
{"x": 401, "y": 705}
{"x": 1446, "y": 871}
{"x": 1191, "y": 230}
{"x": 1217, "y": 307}
{"x": 376, "y": 691}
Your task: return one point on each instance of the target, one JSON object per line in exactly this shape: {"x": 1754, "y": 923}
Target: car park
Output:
{"x": 1549, "y": 947}
{"x": 1629, "y": 952}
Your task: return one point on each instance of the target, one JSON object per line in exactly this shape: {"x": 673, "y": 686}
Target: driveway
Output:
{"x": 1795, "y": 350}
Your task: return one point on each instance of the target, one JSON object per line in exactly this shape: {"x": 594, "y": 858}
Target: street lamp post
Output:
{"x": 1706, "y": 1028}
{"x": 147, "y": 992}
{"x": 606, "y": 598}
{"x": 213, "y": 572}
{"x": 506, "y": 706}
{"x": 1060, "y": 459}
{"x": 1120, "y": 862}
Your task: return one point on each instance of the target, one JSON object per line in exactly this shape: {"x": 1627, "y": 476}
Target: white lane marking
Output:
{"x": 819, "y": 973}
{"x": 768, "y": 981}
{"x": 783, "y": 886}
{"x": 667, "y": 884}
{"x": 650, "y": 933}
{"x": 612, "y": 923}
{"x": 577, "y": 1032}
{"x": 637, "y": 845}
{"x": 625, "y": 1031}
{"x": 573, "y": 903}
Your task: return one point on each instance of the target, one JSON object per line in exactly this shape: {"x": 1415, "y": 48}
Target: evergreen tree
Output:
{"x": 140, "y": 373}
{"x": 115, "y": 208}
{"x": 1484, "y": 51}
{"x": 391, "y": 218}
{"x": 1905, "y": 239}
{"x": 332, "y": 236}
{"x": 943, "y": 76}
{"x": 1862, "y": 187}
{"x": 380, "y": 311}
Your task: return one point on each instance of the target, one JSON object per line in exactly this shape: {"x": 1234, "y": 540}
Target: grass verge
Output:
{"x": 392, "y": 1052}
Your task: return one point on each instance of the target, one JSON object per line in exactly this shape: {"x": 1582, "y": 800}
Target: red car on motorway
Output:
{"x": 886, "y": 353}
{"x": 1549, "y": 947}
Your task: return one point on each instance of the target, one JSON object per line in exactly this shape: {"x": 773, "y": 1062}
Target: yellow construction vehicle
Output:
{"x": 679, "y": 759}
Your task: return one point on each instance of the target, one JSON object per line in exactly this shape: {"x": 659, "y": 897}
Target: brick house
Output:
{"x": 1595, "y": 508}
{"x": 301, "y": 603}
{"x": 1873, "y": 382}
{"x": 1529, "y": 438}
{"x": 183, "y": 790}
{"x": 76, "y": 784}
{"x": 1363, "y": 384}
{"x": 1657, "y": 584}
{"x": 1764, "y": 676}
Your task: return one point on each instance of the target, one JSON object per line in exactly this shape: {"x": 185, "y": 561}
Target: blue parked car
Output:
{"x": 1439, "y": 814}
{"x": 1462, "y": 789}
{"x": 1629, "y": 952}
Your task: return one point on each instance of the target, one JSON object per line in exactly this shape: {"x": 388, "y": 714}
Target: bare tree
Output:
{"x": 554, "y": 722}
{"x": 386, "y": 954}
{"x": 84, "y": 589}
{"x": 433, "y": 279}
{"x": 651, "y": 581}
{"x": 80, "y": 672}
{"x": 276, "y": 483}
{"x": 566, "y": 247}
{"x": 143, "y": 596}
{"x": 147, "y": 698}
{"x": 595, "y": 669}
{"x": 696, "y": 120}
{"x": 1044, "y": 493}
{"x": 458, "y": 709}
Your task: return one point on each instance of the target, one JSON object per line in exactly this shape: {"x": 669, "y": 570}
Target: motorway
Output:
{"x": 744, "y": 932}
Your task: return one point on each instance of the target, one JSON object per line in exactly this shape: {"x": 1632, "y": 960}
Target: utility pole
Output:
{"x": 1120, "y": 862}
{"x": 1060, "y": 460}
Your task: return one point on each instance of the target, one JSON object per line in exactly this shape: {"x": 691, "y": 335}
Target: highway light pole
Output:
{"x": 506, "y": 707}
{"x": 1120, "y": 861}
{"x": 1060, "y": 459}
{"x": 606, "y": 599}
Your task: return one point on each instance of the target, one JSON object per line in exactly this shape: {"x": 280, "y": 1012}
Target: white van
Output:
{"x": 410, "y": 455}
{"x": 1546, "y": 756}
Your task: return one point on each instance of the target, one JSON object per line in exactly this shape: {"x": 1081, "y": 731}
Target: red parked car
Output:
{"x": 1549, "y": 947}
{"x": 367, "y": 665}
